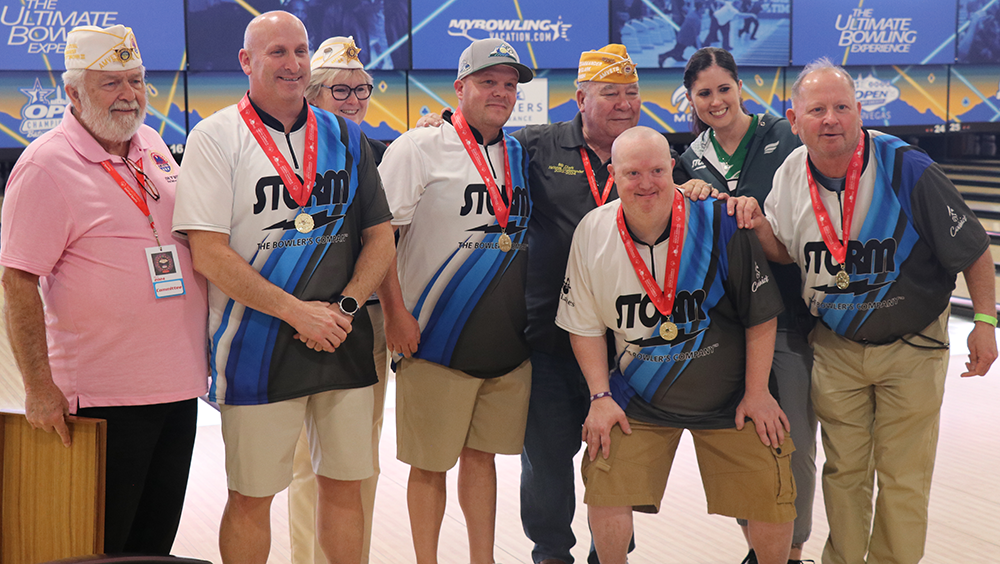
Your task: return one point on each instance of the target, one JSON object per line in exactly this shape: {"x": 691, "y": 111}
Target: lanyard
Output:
{"x": 139, "y": 201}
{"x": 599, "y": 198}
{"x": 837, "y": 248}
{"x": 501, "y": 210}
{"x": 299, "y": 191}
{"x": 662, "y": 299}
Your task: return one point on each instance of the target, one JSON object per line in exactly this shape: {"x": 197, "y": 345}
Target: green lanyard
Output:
{"x": 734, "y": 163}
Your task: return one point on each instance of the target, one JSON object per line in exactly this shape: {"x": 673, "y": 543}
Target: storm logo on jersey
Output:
{"x": 689, "y": 307}
{"x": 331, "y": 189}
{"x": 477, "y": 200}
{"x": 873, "y": 257}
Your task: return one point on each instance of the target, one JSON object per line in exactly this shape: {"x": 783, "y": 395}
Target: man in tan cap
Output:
{"x": 456, "y": 309}
{"x": 289, "y": 223}
{"x": 123, "y": 335}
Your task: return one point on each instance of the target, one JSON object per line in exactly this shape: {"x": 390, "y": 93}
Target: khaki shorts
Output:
{"x": 260, "y": 439}
{"x": 439, "y": 411}
{"x": 742, "y": 477}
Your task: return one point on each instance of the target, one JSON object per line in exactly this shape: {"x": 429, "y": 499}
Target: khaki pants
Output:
{"x": 302, "y": 491}
{"x": 879, "y": 408}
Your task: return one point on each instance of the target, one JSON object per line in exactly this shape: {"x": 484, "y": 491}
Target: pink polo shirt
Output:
{"x": 111, "y": 341}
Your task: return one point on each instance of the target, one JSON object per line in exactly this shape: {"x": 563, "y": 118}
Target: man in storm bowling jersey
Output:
{"x": 692, "y": 306}
{"x": 456, "y": 309}
{"x": 289, "y": 223}
{"x": 879, "y": 233}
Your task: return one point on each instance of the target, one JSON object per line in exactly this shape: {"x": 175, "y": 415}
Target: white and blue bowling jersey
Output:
{"x": 227, "y": 185}
{"x": 724, "y": 286}
{"x": 911, "y": 234}
{"x": 466, "y": 294}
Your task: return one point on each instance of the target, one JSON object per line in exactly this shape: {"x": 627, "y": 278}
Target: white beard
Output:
{"x": 108, "y": 125}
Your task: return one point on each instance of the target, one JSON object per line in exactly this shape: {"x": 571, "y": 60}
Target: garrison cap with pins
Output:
{"x": 104, "y": 49}
{"x": 337, "y": 53}
{"x": 610, "y": 63}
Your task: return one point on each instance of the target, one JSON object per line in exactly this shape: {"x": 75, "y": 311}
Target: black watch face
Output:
{"x": 349, "y": 305}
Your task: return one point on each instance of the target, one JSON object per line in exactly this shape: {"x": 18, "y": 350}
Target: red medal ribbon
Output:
{"x": 837, "y": 249}
{"x": 299, "y": 191}
{"x": 663, "y": 300}
{"x": 601, "y": 199}
{"x": 500, "y": 209}
{"x": 137, "y": 199}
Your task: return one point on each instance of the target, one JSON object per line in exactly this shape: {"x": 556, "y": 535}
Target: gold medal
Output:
{"x": 504, "y": 242}
{"x": 843, "y": 279}
{"x": 304, "y": 223}
{"x": 668, "y": 330}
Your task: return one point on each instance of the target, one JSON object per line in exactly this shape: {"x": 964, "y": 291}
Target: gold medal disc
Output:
{"x": 843, "y": 280}
{"x": 668, "y": 330}
{"x": 504, "y": 242}
{"x": 304, "y": 223}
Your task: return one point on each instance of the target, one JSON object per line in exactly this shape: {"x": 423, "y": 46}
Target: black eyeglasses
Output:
{"x": 142, "y": 179}
{"x": 342, "y": 92}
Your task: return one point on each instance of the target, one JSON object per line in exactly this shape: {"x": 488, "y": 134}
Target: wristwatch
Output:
{"x": 349, "y": 305}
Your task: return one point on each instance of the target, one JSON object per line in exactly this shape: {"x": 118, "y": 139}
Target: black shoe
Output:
{"x": 752, "y": 559}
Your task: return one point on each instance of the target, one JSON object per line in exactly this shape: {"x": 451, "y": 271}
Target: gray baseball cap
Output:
{"x": 488, "y": 52}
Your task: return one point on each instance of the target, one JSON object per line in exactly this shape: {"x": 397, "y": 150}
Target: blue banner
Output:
{"x": 32, "y": 103}
{"x": 897, "y": 95}
{"x": 34, "y": 31}
{"x": 875, "y": 32}
{"x": 978, "y": 31}
{"x": 666, "y": 34}
{"x": 974, "y": 96}
{"x": 379, "y": 27}
{"x": 546, "y": 35}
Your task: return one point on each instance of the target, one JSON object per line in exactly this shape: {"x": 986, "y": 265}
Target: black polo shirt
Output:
{"x": 561, "y": 196}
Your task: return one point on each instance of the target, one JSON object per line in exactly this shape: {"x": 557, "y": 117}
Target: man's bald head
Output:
{"x": 265, "y": 23}
{"x": 822, "y": 69}
{"x": 639, "y": 138}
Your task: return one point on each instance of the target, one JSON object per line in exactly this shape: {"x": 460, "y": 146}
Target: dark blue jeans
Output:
{"x": 557, "y": 409}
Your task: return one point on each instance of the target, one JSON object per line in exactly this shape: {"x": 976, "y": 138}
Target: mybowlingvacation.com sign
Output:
{"x": 549, "y": 34}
